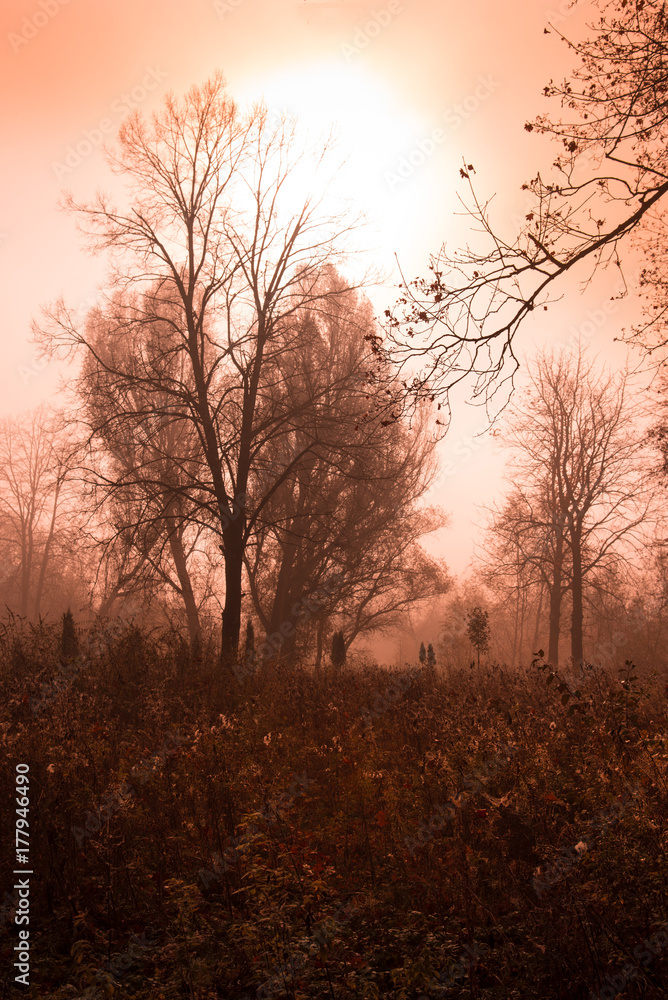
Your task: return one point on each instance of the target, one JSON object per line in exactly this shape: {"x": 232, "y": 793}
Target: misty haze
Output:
{"x": 333, "y": 477}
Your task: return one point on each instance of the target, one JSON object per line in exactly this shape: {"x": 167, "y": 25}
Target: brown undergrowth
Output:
{"x": 365, "y": 833}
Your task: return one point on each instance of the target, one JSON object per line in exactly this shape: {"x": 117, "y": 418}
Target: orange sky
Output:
{"x": 412, "y": 86}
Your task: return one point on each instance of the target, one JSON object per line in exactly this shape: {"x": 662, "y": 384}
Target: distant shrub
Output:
{"x": 69, "y": 642}
{"x": 338, "y": 653}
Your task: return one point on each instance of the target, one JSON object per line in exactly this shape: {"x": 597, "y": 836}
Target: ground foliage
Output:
{"x": 353, "y": 833}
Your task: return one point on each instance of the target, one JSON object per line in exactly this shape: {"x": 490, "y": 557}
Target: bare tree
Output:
{"x": 529, "y": 549}
{"x": 517, "y": 567}
{"x": 141, "y": 479}
{"x": 349, "y": 505}
{"x": 37, "y": 459}
{"x": 580, "y": 487}
{"x": 453, "y": 645}
{"x": 215, "y": 254}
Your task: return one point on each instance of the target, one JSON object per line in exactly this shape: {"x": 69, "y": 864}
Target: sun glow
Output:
{"x": 372, "y": 128}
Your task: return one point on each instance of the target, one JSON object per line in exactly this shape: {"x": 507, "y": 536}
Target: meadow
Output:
{"x": 362, "y": 832}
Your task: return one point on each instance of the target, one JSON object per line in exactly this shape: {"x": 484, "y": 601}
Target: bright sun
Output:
{"x": 373, "y": 128}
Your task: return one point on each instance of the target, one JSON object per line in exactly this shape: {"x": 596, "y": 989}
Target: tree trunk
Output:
{"x": 234, "y": 542}
{"x": 291, "y": 577}
{"x": 556, "y": 595}
{"x": 539, "y": 611}
{"x": 319, "y": 645}
{"x": 281, "y": 604}
{"x": 26, "y": 569}
{"x": 577, "y": 615}
{"x": 46, "y": 553}
{"x": 232, "y": 524}
{"x": 513, "y": 657}
{"x": 234, "y": 563}
{"x": 555, "y": 623}
{"x": 522, "y": 622}
{"x": 290, "y": 645}
{"x": 107, "y": 604}
{"x": 187, "y": 593}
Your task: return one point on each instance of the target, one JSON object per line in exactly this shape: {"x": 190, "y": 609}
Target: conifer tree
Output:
{"x": 69, "y": 642}
{"x": 477, "y": 630}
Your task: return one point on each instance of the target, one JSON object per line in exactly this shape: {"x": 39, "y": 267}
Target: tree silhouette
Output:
{"x": 213, "y": 259}
{"x": 338, "y": 654}
{"x": 422, "y": 655}
{"x": 69, "y": 642}
{"x": 249, "y": 645}
{"x": 348, "y": 506}
{"x": 580, "y": 492}
{"x": 477, "y": 630}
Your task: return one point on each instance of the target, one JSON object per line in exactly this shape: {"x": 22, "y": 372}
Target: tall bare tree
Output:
{"x": 217, "y": 250}
{"x": 581, "y": 492}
